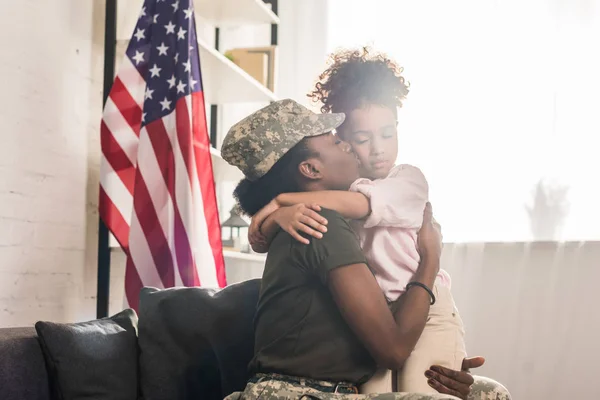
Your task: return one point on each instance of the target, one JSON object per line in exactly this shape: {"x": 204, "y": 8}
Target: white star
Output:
{"x": 138, "y": 58}
{"x": 171, "y": 82}
{"x": 139, "y": 34}
{"x": 155, "y": 19}
{"x": 188, "y": 13}
{"x": 162, "y": 49}
{"x": 170, "y": 28}
{"x": 143, "y": 13}
{"x": 166, "y": 104}
{"x": 143, "y": 116}
{"x": 175, "y": 6}
{"x": 155, "y": 71}
{"x": 187, "y": 66}
{"x": 148, "y": 94}
{"x": 191, "y": 48}
{"x": 176, "y": 58}
{"x": 192, "y": 83}
{"x": 181, "y": 33}
{"x": 181, "y": 87}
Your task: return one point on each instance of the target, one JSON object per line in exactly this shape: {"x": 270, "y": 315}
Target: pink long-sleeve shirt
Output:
{"x": 388, "y": 236}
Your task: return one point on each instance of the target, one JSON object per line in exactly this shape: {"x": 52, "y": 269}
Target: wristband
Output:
{"x": 419, "y": 284}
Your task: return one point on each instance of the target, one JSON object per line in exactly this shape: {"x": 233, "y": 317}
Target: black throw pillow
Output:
{"x": 196, "y": 343}
{"x": 95, "y": 360}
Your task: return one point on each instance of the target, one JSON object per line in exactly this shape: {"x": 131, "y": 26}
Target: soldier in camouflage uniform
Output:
{"x": 294, "y": 288}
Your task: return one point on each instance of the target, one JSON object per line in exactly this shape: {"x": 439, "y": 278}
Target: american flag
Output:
{"x": 157, "y": 192}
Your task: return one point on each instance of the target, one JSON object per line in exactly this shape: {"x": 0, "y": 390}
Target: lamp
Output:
{"x": 235, "y": 222}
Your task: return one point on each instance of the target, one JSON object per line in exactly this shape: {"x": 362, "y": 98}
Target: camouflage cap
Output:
{"x": 258, "y": 141}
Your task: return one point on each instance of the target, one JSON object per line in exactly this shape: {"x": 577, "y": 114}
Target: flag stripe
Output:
{"x": 116, "y": 157}
{"x": 115, "y": 190}
{"x": 133, "y": 284}
{"x": 208, "y": 272}
{"x": 157, "y": 242}
{"x": 206, "y": 180}
{"x": 121, "y": 131}
{"x": 141, "y": 256}
{"x": 163, "y": 150}
{"x": 113, "y": 218}
{"x": 130, "y": 108}
{"x": 131, "y": 78}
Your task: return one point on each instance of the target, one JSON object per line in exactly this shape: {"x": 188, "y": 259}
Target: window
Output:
{"x": 503, "y": 114}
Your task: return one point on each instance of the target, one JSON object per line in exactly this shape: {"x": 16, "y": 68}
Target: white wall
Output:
{"x": 51, "y": 63}
{"x": 303, "y": 46}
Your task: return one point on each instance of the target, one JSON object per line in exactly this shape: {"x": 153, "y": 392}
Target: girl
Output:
{"x": 369, "y": 89}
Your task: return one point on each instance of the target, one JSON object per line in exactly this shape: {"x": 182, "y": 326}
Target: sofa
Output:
{"x": 192, "y": 343}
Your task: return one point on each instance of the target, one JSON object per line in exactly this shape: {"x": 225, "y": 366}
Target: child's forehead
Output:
{"x": 369, "y": 119}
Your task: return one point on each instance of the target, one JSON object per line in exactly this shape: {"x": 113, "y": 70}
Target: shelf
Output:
{"x": 224, "y": 82}
{"x": 235, "y": 12}
{"x": 244, "y": 256}
{"x": 226, "y": 13}
{"x": 222, "y": 170}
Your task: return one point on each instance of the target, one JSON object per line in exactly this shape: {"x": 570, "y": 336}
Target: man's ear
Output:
{"x": 311, "y": 169}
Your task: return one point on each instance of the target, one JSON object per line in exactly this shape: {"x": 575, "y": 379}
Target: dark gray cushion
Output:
{"x": 22, "y": 371}
{"x": 95, "y": 360}
{"x": 196, "y": 343}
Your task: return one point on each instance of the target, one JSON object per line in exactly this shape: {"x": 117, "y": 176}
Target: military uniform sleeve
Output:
{"x": 338, "y": 247}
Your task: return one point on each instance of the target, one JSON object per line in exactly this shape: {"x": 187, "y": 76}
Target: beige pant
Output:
{"x": 441, "y": 343}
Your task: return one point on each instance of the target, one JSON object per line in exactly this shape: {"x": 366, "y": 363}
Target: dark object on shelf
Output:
{"x": 235, "y": 221}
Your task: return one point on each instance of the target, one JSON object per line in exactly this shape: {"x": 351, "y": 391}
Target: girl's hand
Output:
{"x": 301, "y": 218}
{"x": 255, "y": 236}
{"x": 429, "y": 240}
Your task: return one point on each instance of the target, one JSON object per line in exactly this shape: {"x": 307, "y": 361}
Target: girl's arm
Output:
{"x": 397, "y": 200}
{"x": 350, "y": 205}
{"x": 292, "y": 219}
{"x": 298, "y": 212}
{"x": 393, "y": 201}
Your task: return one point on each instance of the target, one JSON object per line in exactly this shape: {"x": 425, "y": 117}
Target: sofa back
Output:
{"x": 22, "y": 369}
{"x": 196, "y": 342}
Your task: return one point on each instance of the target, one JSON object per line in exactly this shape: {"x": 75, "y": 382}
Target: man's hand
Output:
{"x": 455, "y": 383}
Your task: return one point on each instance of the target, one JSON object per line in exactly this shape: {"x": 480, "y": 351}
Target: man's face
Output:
{"x": 338, "y": 164}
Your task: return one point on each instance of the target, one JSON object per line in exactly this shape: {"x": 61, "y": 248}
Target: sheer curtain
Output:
{"x": 503, "y": 110}
{"x": 504, "y": 118}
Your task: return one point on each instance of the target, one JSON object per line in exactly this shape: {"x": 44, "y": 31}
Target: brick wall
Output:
{"x": 52, "y": 66}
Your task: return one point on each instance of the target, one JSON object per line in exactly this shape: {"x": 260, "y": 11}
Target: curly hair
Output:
{"x": 357, "y": 77}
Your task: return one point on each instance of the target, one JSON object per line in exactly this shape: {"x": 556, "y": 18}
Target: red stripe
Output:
{"x": 133, "y": 284}
{"x": 129, "y": 108}
{"x": 117, "y": 158}
{"x": 204, "y": 169}
{"x": 157, "y": 242}
{"x": 184, "y": 138}
{"x": 165, "y": 157}
{"x": 113, "y": 219}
